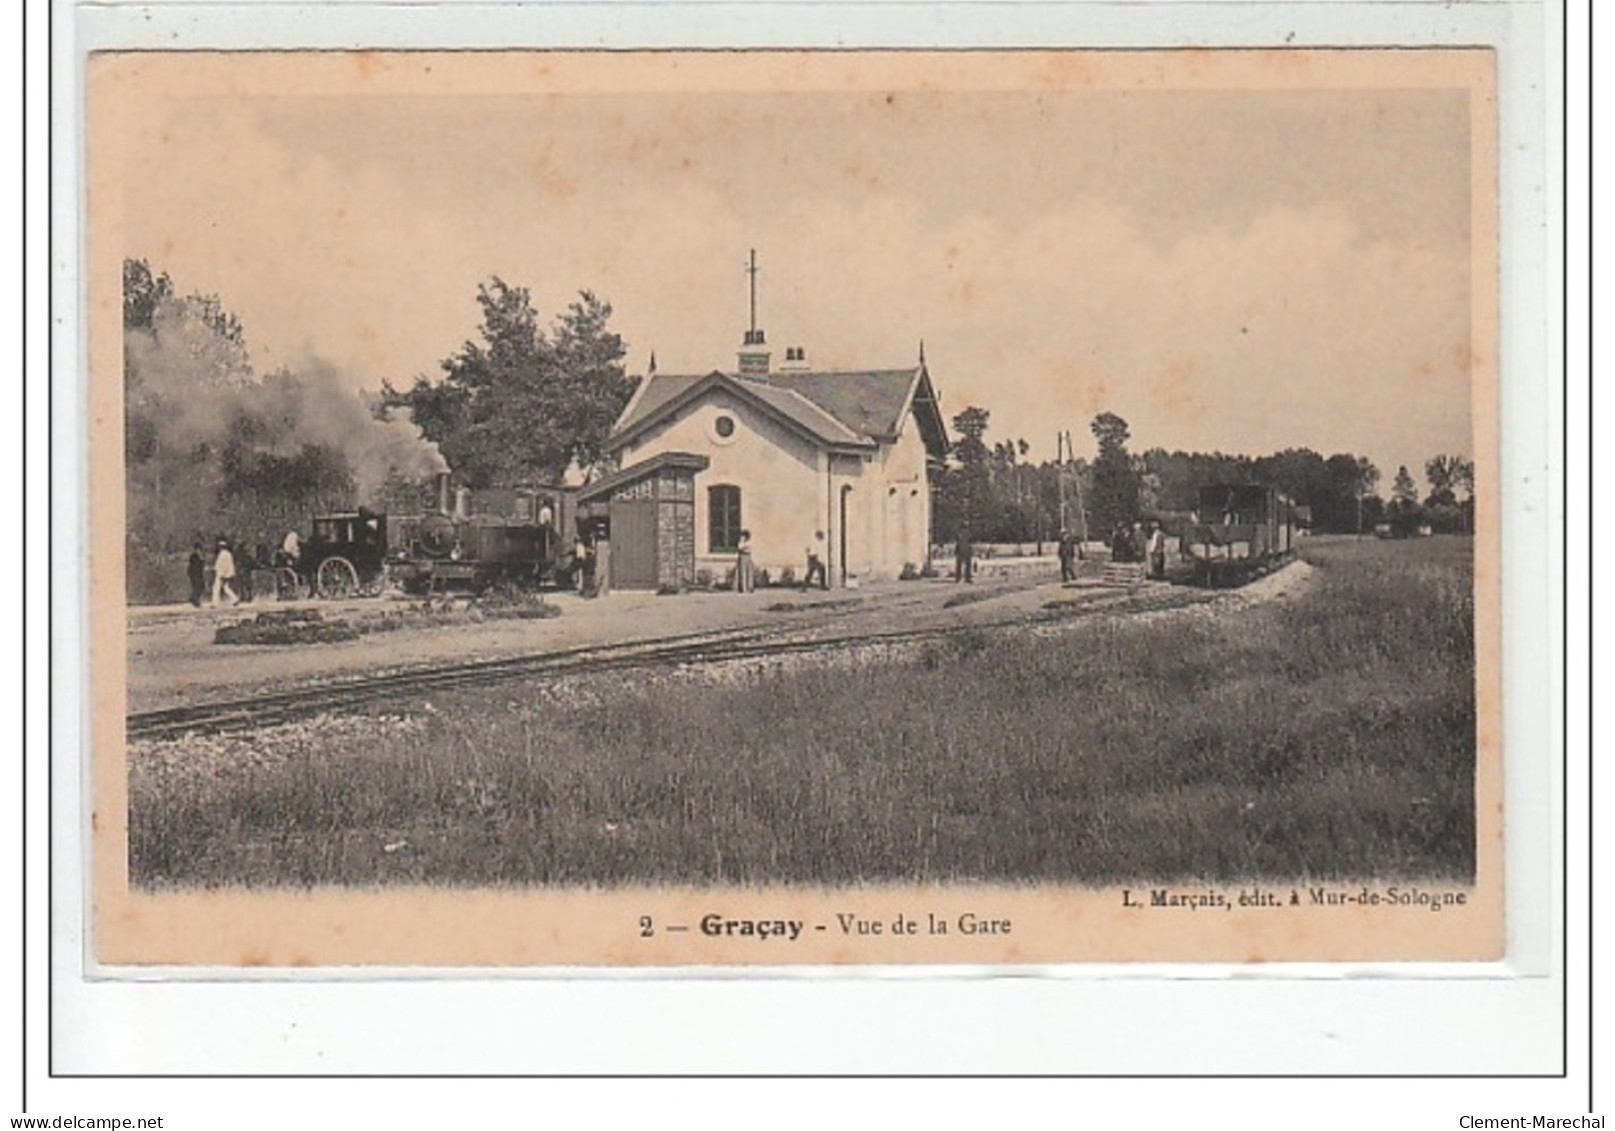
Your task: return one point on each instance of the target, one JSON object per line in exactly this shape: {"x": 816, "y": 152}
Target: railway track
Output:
{"x": 701, "y": 648}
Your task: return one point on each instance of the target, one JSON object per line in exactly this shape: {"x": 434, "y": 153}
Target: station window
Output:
{"x": 723, "y": 519}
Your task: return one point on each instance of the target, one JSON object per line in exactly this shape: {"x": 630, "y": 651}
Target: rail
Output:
{"x": 695, "y": 648}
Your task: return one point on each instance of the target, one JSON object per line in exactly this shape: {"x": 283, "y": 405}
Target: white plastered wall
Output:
{"x": 780, "y": 475}
{"x": 787, "y": 493}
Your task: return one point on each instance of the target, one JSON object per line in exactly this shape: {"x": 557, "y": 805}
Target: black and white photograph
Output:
{"x": 776, "y": 508}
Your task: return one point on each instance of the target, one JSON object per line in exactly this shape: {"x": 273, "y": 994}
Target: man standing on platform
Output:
{"x": 964, "y": 558}
{"x": 815, "y": 565}
{"x": 1157, "y": 552}
{"x": 224, "y": 574}
{"x": 196, "y": 574}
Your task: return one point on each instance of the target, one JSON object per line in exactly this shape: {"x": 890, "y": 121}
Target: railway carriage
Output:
{"x": 344, "y": 556}
{"x": 1238, "y": 532}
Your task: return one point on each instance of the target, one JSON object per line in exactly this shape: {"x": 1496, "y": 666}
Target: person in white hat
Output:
{"x": 224, "y": 574}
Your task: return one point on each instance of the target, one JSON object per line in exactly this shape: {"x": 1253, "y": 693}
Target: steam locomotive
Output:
{"x": 467, "y": 540}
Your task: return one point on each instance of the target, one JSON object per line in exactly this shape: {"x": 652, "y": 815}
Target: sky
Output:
{"x": 1234, "y": 266}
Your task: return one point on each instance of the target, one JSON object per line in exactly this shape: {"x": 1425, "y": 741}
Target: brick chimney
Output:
{"x": 754, "y": 355}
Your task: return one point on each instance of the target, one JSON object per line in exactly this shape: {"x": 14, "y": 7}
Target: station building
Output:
{"x": 834, "y": 462}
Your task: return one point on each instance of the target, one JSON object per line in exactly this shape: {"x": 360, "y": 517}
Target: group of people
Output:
{"x": 1140, "y": 542}
{"x": 1129, "y": 542}
{"x": 225, "y": 573}
{"x": 744, "y": 579}
{"x": 231, "y": 567}
{"x": 223, "y": 567}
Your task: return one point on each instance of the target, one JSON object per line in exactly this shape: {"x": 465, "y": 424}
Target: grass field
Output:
{"x": 1331, "y": 735}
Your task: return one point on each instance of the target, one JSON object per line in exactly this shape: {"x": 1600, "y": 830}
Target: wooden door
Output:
{"x": 633, "y": 544}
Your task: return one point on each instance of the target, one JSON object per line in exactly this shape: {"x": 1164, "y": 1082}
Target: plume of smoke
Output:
{"x": 185, "y": 375}
{"x": 316, "y": 404}
{"x": 211, "y": 444}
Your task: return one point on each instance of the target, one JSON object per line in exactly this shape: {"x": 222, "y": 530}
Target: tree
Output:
{"x": 594, "y": 387}
{"x": 1115, "y": 479}
{"x": 971, "y": 424}
{"x": 1447, "y": 475}
{"x": 1334, "y": 489}
{"x": 519, "y": 405}
{"x": 962, "y": 488}
{"x": 1463, "y": 476}
{"x": 1403, "y": 512}
{"x": 185, "y": 369}
{"x": 1403, "y": 492}
{"x": 1011, "y": 510}
{"x": 143, "y": 293}
{"x": 1299, "y": 473}
{"x": 1349, "y": 496}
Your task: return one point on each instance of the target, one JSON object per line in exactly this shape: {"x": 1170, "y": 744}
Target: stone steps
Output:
{"x": 1122, "y": 573}
{"x": 1105, "y": 572}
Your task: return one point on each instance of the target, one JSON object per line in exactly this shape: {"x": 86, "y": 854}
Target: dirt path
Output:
{"x": 173, "y": 661}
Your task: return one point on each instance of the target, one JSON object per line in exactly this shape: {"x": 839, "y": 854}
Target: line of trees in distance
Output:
{"x": 991, "y": 489}
{"x": 212, "y": 446}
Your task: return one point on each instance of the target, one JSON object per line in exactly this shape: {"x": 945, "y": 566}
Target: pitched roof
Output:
{"x": 840, "y": 408}
{"x": 602, "y": 487}
{"x": 870, "y": 402}
{"x": 655, "y": 390}
{"x": 805, "y": 412}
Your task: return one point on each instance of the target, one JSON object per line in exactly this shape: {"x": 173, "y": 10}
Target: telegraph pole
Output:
{"x": 1059, "y": 474}
{"x": 1082, "y": 511}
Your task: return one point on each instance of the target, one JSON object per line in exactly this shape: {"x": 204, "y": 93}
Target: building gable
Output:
{"x": 840, "y": 410}
{"x": 666, "y": 397}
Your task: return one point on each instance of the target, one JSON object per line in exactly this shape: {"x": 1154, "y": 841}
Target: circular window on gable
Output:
{"x": 724, "y": 426}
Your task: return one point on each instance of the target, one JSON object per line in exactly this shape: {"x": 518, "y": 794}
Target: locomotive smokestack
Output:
{"x": 442, "y": 492}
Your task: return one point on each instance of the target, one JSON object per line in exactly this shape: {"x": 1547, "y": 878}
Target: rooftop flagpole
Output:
{"x": 751, "y": 269}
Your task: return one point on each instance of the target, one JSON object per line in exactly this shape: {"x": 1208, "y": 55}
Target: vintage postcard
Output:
{"x": 653, "y": 509}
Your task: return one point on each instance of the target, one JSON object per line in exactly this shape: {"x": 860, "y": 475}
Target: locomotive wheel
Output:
{"x": 289, "y": 586}
{"x": 336, "y": 579}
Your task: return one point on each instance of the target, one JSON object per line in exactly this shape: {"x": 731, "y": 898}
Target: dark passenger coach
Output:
{"x": 1238, "y": 532}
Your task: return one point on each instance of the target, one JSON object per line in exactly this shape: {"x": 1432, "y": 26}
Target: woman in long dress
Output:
{"x": 745, "y": 578}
